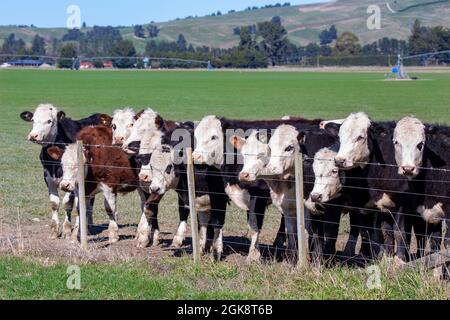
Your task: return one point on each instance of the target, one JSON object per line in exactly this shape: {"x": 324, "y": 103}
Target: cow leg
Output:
{"x": 316, "y": 237}
{"x": 68, "y": 203}
{"x": 386, "y": 223}
{"x": 331, "y": 230}
{"x": 111, "y": 210}
{"x": 434, "y": 232}
{"x": 148, "y": 220}
{"x": 143, "y": 231}
{"x": 54, "y": 202}
{"x": 181, "y": 231}
{"x": 217, "y": 220}
{"x": 370, "y": 245}
{"x": 203, "y": 220}
{"x": 350, "y": 247}
{"x": 291, "y": 230}
{"x": 400, "y": 237}
{"x": 90, "y": 213}
{"x": 255, "y": 221}
{"x": 281, "y": 235}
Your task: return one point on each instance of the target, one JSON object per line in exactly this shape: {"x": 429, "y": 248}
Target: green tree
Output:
{"x": 246, "y": 39}
{"x": 153, "y": 31}
{"x": 274, "y": 42}
{"x": 347, "y": 45}
{"x": 139, "y": 31}
{"x": 181, "y": 42}
{"x": 67, "y": 54}
{"x": 38, "y": 46}
{"x": 125, "y": 49}
{"x": 11, "y": 45}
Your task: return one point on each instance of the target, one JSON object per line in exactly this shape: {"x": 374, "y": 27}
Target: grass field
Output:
{"x": 33, "y": 267}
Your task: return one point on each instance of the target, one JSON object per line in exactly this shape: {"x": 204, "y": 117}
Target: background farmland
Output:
{"x": 31, "y": 266}
{"x": 304, "y": 23}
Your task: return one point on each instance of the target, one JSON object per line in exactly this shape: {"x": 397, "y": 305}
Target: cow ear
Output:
{"x": 105, "y": 120}
{"x": 301, "y": 137}
{"x": 379, "y": 130}
{"x": 261, "y": 137}
{"x": 159, "y": 122}
{"x": 55, "y": 153}
{"x": 61, "y": 115}
{"x": 332, "y": 128}
{"x": 237, "y": 142}
{"x": 432, "y": 130}
{"x": 26, "y": 116}
{"x": 139, "y": 114}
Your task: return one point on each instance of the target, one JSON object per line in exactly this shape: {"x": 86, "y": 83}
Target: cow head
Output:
{"x": 69, "y": 163}
{"x": 163, "y": 175}
{"x": 283, "y": 144}
{"x": 45, "y": 123}
{"x": 122, "y": 124}
{"x": 354, "y": 141}
{"x": 209, "y": 139}
{"x": 409, "y": 142}
{"x": 255, "y": 153}
{"x": 145, "y": 123}
{"x": 328, "y": 180}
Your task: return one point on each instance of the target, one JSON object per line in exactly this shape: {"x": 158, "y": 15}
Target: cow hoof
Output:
{"x": 177, "y": 242}
{"x": 141, "y": 244}
{"x": 67, "y": 230}
{"x": 113, "y": 239}
{"x": 253, "y": 256}
{"x": 54, "y": 227}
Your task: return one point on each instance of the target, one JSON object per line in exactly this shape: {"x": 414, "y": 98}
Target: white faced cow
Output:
{"x": 122, "y": 124}
{"x": 52, "y": 128}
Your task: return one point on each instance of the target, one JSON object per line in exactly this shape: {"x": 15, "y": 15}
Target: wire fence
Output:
{"x": 304, "y": 179}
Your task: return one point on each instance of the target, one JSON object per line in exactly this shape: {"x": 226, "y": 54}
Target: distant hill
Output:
{"x": 304, "y": 23}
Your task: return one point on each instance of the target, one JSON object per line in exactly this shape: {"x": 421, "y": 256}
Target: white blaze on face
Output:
{"x": 143, "y": 126}
{"x": 283, "y": 145}
{"x": 209, "y": 142}
{"x": 69, "y": 163}
{"x": 122, "y": 124}
{"x": 162, "y": 170}
{"x": 409, "y": 142}
{"x": 45, "y": 124}
{"x": 353, "y": 137}
{"x": 255, "y": 154}
{"x": 327, "y": 184}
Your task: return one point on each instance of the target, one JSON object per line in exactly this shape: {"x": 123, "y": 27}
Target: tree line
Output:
{"x": 260, "y": 45}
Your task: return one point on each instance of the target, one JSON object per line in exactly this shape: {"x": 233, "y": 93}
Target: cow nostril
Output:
{"x": 339, "y": 161}
{"x": 315, "y": 197}
{"x": 156, "y": 190}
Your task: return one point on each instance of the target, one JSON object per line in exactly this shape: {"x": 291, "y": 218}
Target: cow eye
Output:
{"x": 213, "y": 138}
{"x": 49, "y": 121}
{"x": 335, "y": 171}
{"x": 130, "y": 125}
{"x": 169, "y": 169}
{"x": 360, "y": 138}
{"x": 290, "y": 148}
{"x": 114, "y": 127}
{"x": 420, "y": 146}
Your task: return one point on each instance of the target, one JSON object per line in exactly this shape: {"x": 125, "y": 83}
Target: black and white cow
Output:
{"x": 422, "y": 153}
{"x": 274, "y": 162}
{"x": 213, "y": 148}
{"x": 52, "y": 128}
{"x": 369, "y": 146}
{"x": 167, "y": 169}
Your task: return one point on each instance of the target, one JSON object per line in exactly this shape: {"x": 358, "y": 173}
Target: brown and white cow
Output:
{"x": 51, "y": 128}
{"x": 109, "y": 170}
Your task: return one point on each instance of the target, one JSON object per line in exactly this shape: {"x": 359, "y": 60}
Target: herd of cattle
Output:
{"x": 392, "y": 178}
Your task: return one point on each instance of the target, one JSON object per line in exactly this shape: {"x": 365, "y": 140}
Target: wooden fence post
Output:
{"x": 193, "y": 213}
{"x": 300, "y": 199}
{"x": 82, "y": 197}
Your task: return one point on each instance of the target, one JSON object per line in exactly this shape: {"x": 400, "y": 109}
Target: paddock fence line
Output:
{"x": 299, "y": 183}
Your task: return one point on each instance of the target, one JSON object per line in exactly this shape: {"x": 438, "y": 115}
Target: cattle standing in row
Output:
{"x": 168, "y": 170}
{"x": 52, "y": 128}
{"x": 213, "y": 149}
{"x": 369, "y": 146}
{"x": 109, "y": 170}
{"x": 274, "y": 162}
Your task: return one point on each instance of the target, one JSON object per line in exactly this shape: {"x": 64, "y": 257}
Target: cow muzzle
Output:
{"x": 247, "y": 177}
{"x": 408, "y": 171}
{"x": 316, "y": 197}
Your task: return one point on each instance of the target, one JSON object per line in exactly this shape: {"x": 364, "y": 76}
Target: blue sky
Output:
{"x": 51, "y": 13}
